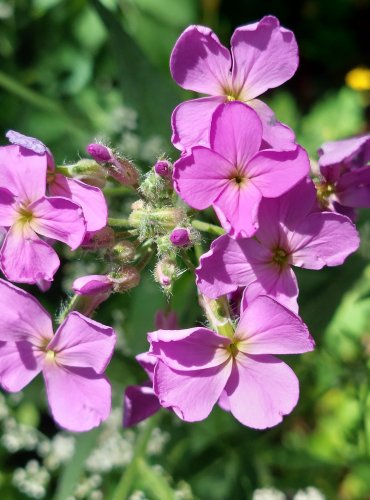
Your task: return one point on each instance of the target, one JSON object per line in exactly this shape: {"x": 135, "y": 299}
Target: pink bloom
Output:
{"x": 93, "y": 284}
{"x": 140, "y": 402}
{"x": 72, "y": 361}
{"x": 344, "y": 180}
{"x": 292, "y": 232}
{"x": 198, "y": 367}
{"x": 26, "y": 211}
{"x": 263, "y": 56}
{"x": 89, "y": 198}
{"x": 180, "y": 237}
{"x": 233, "y": 174}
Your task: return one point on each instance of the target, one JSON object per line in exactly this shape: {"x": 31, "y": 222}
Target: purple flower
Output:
{"x": 26, "y": 211}
{"x": 263, "y": 56}
{"x": 139, "y": 401}
{"x": 197, "y": 367}
{"x": 233, "y": 174}
{"x": 180, "y": 237}
{"x": 291, "y": 232}
{"x": 344, "y": 182}
{"x": 72, "y": 361}
{"x": 93, "y": 284}
{"x": 163, "y": 168}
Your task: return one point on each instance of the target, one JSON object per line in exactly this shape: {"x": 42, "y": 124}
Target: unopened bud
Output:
{"x": 124, "y": 251}
{"x": 104, "y": 238}
{"x": 165, "y": 272}
{"x": 163, "y": 168}
{"x": 152, "y": 222}
{"x": 94, "y": 284}
{"x": 99, "y": 152}
{"x": 180, "y": 237}
{"x": 123, "y": 171}
{"x": 85, "y": 170}
{"x": 126, "y": 278}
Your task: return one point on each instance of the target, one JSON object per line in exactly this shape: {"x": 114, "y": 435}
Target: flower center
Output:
{"x": 280, "y": 257}
{"x": 50, "y": 355}
{"x": 233, "y": 350}
{"x": 25, "y": 214}
{"x": 324, "y": 190}
{"x": 238, "y": 178}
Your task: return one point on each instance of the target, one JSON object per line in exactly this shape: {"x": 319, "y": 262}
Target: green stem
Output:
{"x": 126, "y": 482}
{"x": 118, "y": 190}
{"x": 119, "y": 222}
{"x": 185, "y": 257}
{"x": 218, "y": 314}
{"x": 206, "y": 227}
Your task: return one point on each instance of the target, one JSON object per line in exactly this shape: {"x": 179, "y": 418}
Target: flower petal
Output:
{"x": 265, "y": 55}
{"x": 199, "y": 62}
{"x": 20, "y": 363}
{"x": 236, "y": 133}
{"x": 25, "y": 258}
{"x": 139, "y": 403}
{"x": 191, "y": 122}
{"x": 191, "y": 394}
{"x": 201, "y": 176}
{"x": 23, "y": 173}
{"x": 79, "y": 399}
{"x": 353, "y": 188}
{"x": 261, "y": 390}
{"x": 275, "y": 172}
{"x": 83, "y": 342}
{"x": 323, "y": 238}
{"x": 8, "y": 213}
{"x": 354, "y": 152}
{"x": 189, "y": 349}
{"x": 22, "y": 316}
{"x": 267, "y": 327}
{"x": 60, "y": 219}
{"x": 89, "y": 198}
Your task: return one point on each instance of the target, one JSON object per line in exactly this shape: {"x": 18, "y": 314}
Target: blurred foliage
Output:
{"x": 75, "y": 70}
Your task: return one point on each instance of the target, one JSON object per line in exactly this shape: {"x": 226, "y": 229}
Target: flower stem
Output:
{"x": 119, "y": 222}
{"x": 206, "y": 227}
{"x": 218, "y": 314}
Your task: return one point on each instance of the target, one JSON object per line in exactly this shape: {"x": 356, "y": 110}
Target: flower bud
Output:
{"x": 93, "y": 284}
{"x": 99, "y": 152}
{"x": 126, "y": 278}
{"x": 166, "y": 321}
{"x": 104, "y": 238}
{"x": 85, "y": 170}
{"x": 124, "y": 251}
{"x": 123, "y": 171}
{"x": 163, "y": 168}
{"x": 180, "y": 237}
{"x": 165, "y": 272}
{"x": 152, "y": 222}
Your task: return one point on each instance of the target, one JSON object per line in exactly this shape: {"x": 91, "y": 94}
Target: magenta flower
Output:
{"x": 27, "y": 212}
{"x": 72, "y": 361}
{"x": 139, "y": 401}
{"x": 344, "y": 180}
{"x": 263, "y": 56}
{"x": 291, "y": 232}
{"x": 233, "y": 174}
{"x": 198, "y": 367}
{"x": 89, "y": 198}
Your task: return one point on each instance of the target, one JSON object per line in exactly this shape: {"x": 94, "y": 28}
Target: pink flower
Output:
{"x": 263, "y": 56}
{"x": 139, "y": 401}
{"x": 26, "y": 211}
{"x": 197, "y": 367}
{"x": 292, "y": 232}
{"x": 89, "y": 198}
{"x": 233, "y": 174}
{"x": 72, "y": 361}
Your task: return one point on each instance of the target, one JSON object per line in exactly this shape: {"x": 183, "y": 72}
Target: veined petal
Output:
{"x": 191, "y": 122}
{"x": 261, "y": 390}
{"x": 236, "y": 133}
{"x": 274, "y": 133}
{"x": 79, "y": 399}
{"x": 23, "y": 173}
{"x": 239, "y": 205}
{"x": 22, "y": 317}
{"x": 355, "y": 152}
{"x": 190, "y": 349}
{"x": 25, "y": 258}
{"x": 353, "y": 188}
{"x": 190, "y": 394}
{"x": 83, "y": 342}
{"x": 20, "y": 363}
{"x": 8, "y": 213}
{"x": 60, "y": 219}
{"x": 201, "y": 176}
{"x": 323, "y": 238}
{"x": 199, "y": 62}
{"x": 89, "y": 198}
{"x": 267, "y": 327}
{"x": 275, "y": 172}
{"x": 265, "y": 55}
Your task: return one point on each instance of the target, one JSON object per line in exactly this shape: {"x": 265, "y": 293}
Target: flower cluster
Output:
{"x": 236, "y": 159}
